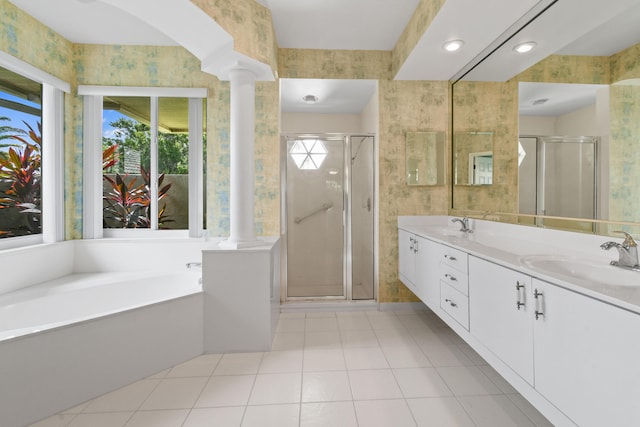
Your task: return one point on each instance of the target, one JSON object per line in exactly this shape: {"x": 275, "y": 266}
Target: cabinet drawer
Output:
{"x": 455, "y": 258}
{"x": 454, "y": 304}
{"x": 455, "y": 278}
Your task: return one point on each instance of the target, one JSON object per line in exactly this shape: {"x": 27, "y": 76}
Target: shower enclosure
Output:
{"x": 328, "y": 197}
{"x": 557, "y": 176}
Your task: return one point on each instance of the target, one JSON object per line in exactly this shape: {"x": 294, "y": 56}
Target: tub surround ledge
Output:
{"x": 241, "y": 296}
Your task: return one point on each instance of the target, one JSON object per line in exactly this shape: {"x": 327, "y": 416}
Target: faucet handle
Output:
{"x": 629, "y": 242}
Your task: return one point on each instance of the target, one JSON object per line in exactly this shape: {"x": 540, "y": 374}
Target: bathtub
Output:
{"x": 98, "y": 325}
{"x": 80, "y": 297}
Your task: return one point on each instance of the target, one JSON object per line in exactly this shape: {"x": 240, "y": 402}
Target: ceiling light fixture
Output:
{"x": 524, "y": 47}
{"x": 452, "y": 45}
{"x": 540, "y": 101}
{"x": 310, "y": 99}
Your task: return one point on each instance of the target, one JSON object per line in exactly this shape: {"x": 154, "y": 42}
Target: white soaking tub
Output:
{"x": 89, "y": 330}
{"x": 79, "y": 297}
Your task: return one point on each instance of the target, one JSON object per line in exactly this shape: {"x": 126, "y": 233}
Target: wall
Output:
{"x": 581, "y": 122}
{"x": 29, "y": 40}
{"x": 498, "y": 114}
{"x": 403, "y": 106}
{"x": 321, "y": 123}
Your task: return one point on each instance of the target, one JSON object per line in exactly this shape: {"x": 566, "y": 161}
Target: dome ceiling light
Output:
{"x": 310, "y": 99}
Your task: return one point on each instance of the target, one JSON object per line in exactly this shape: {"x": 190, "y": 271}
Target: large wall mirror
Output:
{"x": 564, "y": 121}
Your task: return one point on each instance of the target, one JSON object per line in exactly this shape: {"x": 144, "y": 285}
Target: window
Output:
{"x": 31, "y": 154}
{"x": 308, "y": 153}
{"x": 20, "y": 155}
{"x": 150, "y": 143}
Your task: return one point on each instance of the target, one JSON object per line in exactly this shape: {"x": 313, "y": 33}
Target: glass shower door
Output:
{"x": 315, "y": 217}
{"x": 567, "y": 174}
{"x": 362, "y": 217}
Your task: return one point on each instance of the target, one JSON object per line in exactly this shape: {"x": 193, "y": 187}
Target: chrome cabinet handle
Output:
{"x": 450, "y": 277}
{"x": 520, "y": 296}
{"x": 452, "y": 258}
{"x": 539, "y": 304}
{"x": 451, "y": 303}
{"x": 415, "y": 246}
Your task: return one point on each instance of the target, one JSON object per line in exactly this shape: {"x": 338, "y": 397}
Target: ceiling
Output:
{"x": 373, "y": 25}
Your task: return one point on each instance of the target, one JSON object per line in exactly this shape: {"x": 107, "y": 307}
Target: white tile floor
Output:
{"x": 342, "y": 369}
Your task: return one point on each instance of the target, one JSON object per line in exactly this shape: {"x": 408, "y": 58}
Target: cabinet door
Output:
{"x": 501, "y": 314}
{"x": 587, "y": 358}
{"x": 427, "y": 272}
{"x": 406, "y": 258}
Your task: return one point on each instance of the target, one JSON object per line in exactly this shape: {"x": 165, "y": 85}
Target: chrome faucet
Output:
{"x": 628, "y": 251}
{"x": 464, "y": 224}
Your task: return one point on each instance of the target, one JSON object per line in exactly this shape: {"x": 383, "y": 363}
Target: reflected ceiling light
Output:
{"x": 524, "y": 47}
{"x": 310, "y": 99}
{"x": 452, "y": 45}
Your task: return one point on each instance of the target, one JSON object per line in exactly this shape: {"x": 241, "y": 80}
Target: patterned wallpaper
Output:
{"x": 333, "y": 64}
{"x": 405, "y": 106}
{"x": 25, "y": 38}
{"x": 490, "y": 107}
{"x": 250, "y": 25}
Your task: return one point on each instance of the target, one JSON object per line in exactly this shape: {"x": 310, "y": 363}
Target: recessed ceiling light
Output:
{"x": 452, "y": 45}
{"x": 310, "y": 99}
{"x": 540, "y": 101}
{"x": 524, "y": 47}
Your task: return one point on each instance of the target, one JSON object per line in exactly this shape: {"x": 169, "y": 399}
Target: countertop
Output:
{"x": 517, "y": 247}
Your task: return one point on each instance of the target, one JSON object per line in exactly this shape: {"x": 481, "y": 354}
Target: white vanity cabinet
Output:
{"x": 418, "y": 266}
{"x": 454, "y": 285}
{"x": 573, "y": 355}
{"x": 587, "y": 357}
{"x": 407, "y": 250}
{"x": 427, "y": 273}
{"x": 501, "y": 310}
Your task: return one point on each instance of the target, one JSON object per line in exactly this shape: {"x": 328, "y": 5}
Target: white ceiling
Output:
{"x": 374, "y": 25}
{"x": 340, "y": 24}
{"x": 93, "y": 22}
{"x": 334, "y": 96}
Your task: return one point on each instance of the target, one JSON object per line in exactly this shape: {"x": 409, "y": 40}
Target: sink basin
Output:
{"x": 585, "y": 270}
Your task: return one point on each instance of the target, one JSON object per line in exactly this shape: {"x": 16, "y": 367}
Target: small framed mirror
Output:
{"x": 473, "y": 158}
{"x": 425, "y": 158}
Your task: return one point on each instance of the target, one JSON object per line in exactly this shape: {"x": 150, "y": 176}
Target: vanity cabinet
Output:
{"x": 454, "y": 284}
{"x": 501, "y": 314}
{"x": 418, "y": 266}
{"x": 587, "y": 357}
{"x": 427, "y": 272}
{"x": 407, "y": 250}
{"x": 574, "y": 356}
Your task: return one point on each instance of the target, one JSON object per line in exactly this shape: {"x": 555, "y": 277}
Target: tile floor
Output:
{"x": 337, "y": 369}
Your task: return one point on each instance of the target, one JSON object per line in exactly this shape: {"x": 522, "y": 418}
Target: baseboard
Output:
{"x": 328, "y": 305}
{"x": 403, "y": 306}
{"x": 332, "y": 305}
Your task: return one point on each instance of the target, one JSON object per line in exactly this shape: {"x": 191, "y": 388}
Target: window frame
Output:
{"x": 52, "y": 168}
{"x": 92, "y": 159}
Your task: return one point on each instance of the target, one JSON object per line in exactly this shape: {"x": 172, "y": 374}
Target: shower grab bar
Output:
{"x": 325, "y": 207}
